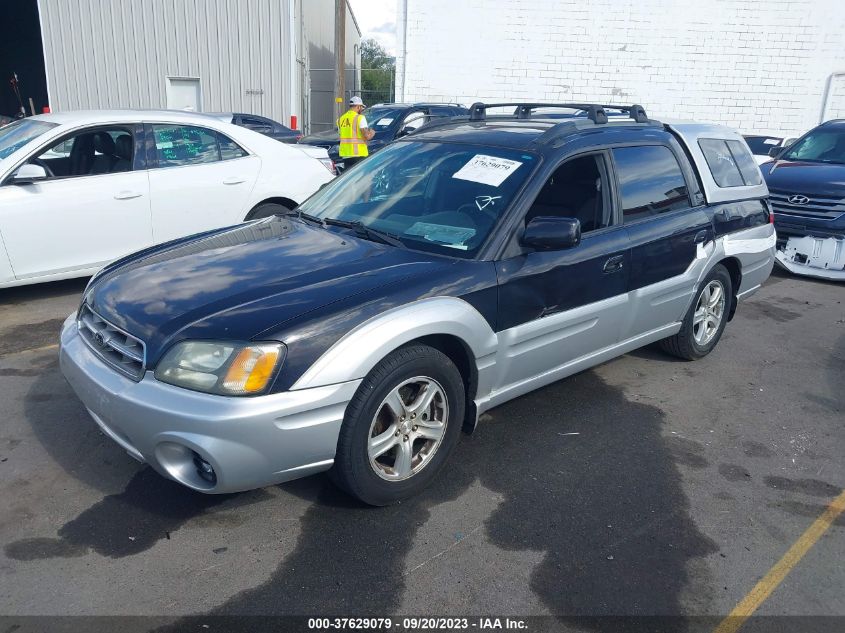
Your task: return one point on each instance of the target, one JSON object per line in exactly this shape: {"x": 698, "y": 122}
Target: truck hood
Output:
{"x": 241, "y": 282}
{"x": 798, "y": 177}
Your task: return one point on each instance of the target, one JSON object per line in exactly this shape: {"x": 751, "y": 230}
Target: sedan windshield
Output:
{"x": 17, "y": 134}
{"x": 823, "y": 146}
{"x": 439, "y": 197}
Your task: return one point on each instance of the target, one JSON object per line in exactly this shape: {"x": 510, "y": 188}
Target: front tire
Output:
{"x": 400, "y": 426}
{"x": 706, "y": 318}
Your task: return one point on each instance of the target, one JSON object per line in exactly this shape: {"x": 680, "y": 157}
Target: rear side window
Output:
{"x": 178, "y": 145}
{"x": 650, "y": 181}
{"x": 262, "y": 126}
{"x": 746, "y": 163}
{"x": 730, "y": 162}
{"x": 229, "y": 149}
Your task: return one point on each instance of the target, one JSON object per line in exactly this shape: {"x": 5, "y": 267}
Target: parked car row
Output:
{"x": 80, "y": 189}
{"x": 389, "y": 121}
{"x": 461, "y": 266}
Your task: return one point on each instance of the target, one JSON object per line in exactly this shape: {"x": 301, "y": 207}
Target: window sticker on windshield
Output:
{"x": 487, "y": 170}
{"x": 164, "y": 145}
{"x": 482, "y": 202}
{"x": 453, "y": 236}
{"x": 771, "y": 141}
{"x": 385, "y": 121}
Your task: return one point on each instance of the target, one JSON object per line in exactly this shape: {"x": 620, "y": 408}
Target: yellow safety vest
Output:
{"x": 352, "y": 142}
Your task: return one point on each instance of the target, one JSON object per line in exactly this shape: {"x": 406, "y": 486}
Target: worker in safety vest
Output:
{"x": 354, "y": 133}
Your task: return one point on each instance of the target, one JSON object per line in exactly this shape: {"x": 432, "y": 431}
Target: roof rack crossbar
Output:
{"x": 594, "y": 111}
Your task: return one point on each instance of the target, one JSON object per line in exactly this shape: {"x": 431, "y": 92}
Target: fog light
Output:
{"x": 205, "y": 470}
{"x": 186, "y": 466}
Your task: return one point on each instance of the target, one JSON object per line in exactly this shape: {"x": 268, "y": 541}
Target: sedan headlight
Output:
{"x": 224, "y": 368}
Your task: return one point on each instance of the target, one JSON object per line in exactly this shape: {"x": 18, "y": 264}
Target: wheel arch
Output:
{"x": 448, "y": 324}
{"x": 287, "y": 202}
{"x": 734, "y": 268}
{"x": 461, "y": 355}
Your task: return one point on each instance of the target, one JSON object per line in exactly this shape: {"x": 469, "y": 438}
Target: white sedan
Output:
{"x": 80, "y": 189}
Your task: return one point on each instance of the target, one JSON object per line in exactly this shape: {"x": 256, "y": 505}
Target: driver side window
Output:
{"x": 89, "y": 153}
{"x": 577, "y": 189}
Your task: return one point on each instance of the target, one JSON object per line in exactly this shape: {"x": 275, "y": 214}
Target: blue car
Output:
{"x": 460, "y": 267}
{"x": 807, "y": 188}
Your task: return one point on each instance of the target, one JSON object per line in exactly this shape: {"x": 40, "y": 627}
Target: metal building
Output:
{"x": 251, "y": 56}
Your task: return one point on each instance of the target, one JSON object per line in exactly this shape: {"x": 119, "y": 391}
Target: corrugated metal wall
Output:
{"x": 119, "y": 53}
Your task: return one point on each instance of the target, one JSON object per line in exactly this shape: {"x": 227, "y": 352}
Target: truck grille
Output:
{"x": 820, "y": 207}
{"x": 115, "y": 347}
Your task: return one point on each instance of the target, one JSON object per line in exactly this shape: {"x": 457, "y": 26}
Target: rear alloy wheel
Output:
{"x": 400, "y": 426}
{"x": 706, "y": 318}
{"x": 708, "y": 314}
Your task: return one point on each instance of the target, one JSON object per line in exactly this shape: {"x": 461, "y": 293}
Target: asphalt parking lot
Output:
{"x": 646, "y": 486}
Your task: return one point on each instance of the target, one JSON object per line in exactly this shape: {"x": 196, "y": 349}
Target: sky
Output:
{"x": 377, "y": 19}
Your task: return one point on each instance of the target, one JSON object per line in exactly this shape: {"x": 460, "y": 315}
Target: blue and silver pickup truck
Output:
{"x": 460, "y": 267}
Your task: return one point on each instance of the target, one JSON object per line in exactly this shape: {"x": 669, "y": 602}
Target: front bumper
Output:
{"x": 814, "y": 257}
{"x": 248, "y": 442}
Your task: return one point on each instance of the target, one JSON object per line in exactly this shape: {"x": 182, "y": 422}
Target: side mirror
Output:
{"x": 404, "y": 132}
{"x": 551, "y": 233}
{"x": 774, "y": 151}
{"x": 28, "y": 174}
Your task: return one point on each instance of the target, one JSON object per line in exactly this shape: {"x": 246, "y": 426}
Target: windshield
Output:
{"x": 439, "y": 197}
{"x": 17, "y": 134}
{"x": 823, "y": 146}
{"x": 380, "y": 119}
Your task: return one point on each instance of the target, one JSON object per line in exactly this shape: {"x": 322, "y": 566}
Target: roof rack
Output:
{"x": 595, "y": 112}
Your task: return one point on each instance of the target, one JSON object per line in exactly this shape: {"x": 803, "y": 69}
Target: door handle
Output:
{"x": 614, "y": 263}
{"x": 127, "y": 195}
{"x": 700, "y": 237}
{"x": 234, "y": 180}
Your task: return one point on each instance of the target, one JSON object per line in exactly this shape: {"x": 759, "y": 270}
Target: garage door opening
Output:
{"x": 21, "y": 54}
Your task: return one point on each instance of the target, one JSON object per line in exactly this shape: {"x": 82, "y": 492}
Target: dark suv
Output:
{"x": 389, "y": 121}
{"x": 460, "y": 267}
{"x": 807, "y": 190}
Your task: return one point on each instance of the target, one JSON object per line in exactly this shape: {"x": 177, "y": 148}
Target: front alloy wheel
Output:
{"x": 400, "y": 426}
{"x": 408, "y": 428}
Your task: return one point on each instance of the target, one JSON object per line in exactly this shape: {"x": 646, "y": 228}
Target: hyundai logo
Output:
{"x": 798, "y": 199}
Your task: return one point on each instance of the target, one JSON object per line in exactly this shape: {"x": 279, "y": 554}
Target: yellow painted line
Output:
{"x": 763, "y": 589}
{"x": 44, "y": 348}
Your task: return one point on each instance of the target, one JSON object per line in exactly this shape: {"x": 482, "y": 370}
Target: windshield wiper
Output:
{"x": 362, "y": 230}
{"x": 304, "y": 216}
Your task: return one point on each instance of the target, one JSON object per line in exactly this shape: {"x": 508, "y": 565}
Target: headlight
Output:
{"x": 224, "y": 368}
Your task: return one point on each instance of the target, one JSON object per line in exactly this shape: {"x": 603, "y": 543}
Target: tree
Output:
{"x": 378, "y": 69}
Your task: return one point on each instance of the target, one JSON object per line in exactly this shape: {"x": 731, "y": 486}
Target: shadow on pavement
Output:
{"x": 605, "y": 507}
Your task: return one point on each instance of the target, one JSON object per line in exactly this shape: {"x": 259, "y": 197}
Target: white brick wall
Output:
{"x": 755, "y": 65}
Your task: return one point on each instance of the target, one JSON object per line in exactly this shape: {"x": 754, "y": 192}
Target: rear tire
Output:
{"x": 265, "y": 210}
{"x": 706, "y": 318}
{"x": 400, "y": 426}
